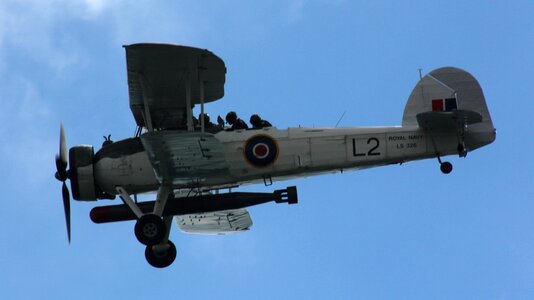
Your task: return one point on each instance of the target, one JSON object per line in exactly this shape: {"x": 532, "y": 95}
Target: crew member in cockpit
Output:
{"x": 258, "y": 123}
{"x": 235, "y": 122}
{"x": 207, "y": 122}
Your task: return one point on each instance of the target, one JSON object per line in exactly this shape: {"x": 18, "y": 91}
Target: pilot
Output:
{"x": 220, "y": 122}
{"x": 195, "y": 122}
{"x": 207, "y": 123}
{"x": 235, "y": 122}
{"x": 258, "y": 123}
{"x": 107, "y": 141}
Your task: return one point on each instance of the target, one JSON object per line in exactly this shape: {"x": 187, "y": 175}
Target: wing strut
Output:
{"x": 200, "y": 73}
{"x": 188, "y": 107}
{"x": 146, "y": 95}
{"x": 125, "y": 197}
{"x": 201, "y": 104}
{"x": 164, "y": 193}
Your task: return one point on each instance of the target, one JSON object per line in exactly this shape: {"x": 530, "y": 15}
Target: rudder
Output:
{"x": 446, "y": 89}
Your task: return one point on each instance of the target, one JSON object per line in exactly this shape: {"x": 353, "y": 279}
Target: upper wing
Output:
{"x": 219, "y": 222}
{"x": 158, "y": 75}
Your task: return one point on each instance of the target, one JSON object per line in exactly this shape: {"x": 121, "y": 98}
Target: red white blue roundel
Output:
{"x": 261, "y": 150}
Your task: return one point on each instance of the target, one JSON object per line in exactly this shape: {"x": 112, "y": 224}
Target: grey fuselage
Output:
{"x": 300, "y": 152}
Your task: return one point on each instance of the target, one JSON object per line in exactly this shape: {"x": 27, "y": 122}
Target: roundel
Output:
{"x": 261, "y": 150}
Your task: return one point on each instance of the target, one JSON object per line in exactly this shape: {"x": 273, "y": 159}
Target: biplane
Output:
{"x": 192, "y": 170}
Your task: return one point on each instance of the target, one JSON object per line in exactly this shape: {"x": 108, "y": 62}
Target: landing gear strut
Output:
{"x": 162, "y": 255}
{"x": 444, "y": 166}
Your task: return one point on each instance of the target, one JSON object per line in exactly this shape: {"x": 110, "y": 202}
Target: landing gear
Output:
{"x": 150, "y": 230}
{"x": 445, "y": 167}
{"x": 162, "y": 255}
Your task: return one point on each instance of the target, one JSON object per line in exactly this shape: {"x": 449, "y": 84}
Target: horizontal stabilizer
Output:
{"x": 443, "y": 120}
{"x": 219, "y": 222}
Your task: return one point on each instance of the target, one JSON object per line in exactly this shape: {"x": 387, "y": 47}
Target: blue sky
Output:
{"x": 398, "y": 232}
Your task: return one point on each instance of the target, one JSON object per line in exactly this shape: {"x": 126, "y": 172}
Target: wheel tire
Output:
{"x": 150, "y": 230}
{"x": 446, "y": 167}
{"x": 161, "y": 259}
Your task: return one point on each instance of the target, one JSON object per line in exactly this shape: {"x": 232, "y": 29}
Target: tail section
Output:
{"x": 446, "y": 89}
{"x": 450, "y": 98}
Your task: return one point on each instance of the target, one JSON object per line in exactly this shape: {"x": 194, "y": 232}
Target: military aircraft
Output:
{"x": 192, "y": 168}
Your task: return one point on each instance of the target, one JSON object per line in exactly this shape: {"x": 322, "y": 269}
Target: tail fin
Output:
{"x": 446, "y": 89}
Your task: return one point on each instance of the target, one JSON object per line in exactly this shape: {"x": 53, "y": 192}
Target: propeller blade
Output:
{"x": 66, "y": 206}
{"x": 61, "y": 168}
{"x": 62, "y": 146}
{"x": 61, "y": 158}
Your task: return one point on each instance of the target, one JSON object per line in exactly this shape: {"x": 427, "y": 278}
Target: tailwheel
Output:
{"x": 445, "y": 167}
{"x": 162, "y": 255}
{"x": 150, "y": 230}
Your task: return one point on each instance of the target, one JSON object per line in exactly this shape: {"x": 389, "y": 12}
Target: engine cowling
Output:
{"x": 81, "y": 173}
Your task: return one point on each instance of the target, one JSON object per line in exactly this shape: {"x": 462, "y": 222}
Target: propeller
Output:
{"x": 62, "y": 175}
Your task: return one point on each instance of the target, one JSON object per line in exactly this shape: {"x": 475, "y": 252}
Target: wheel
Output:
{"x": 160, "y": 258}
{"x": 446, "y": 167}
{"x": 150, "y": 229}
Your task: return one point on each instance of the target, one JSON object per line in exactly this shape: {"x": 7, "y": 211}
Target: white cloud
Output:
{"x": 30, "y": 28}
{"x": 40, "y": 44}
{"x": 25, "y": 141}
{"x": 46, "y": 30}
{"x": 96, "y": 6}
{"x": 133, "y": 22}
{"x": 30, "y": 105}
